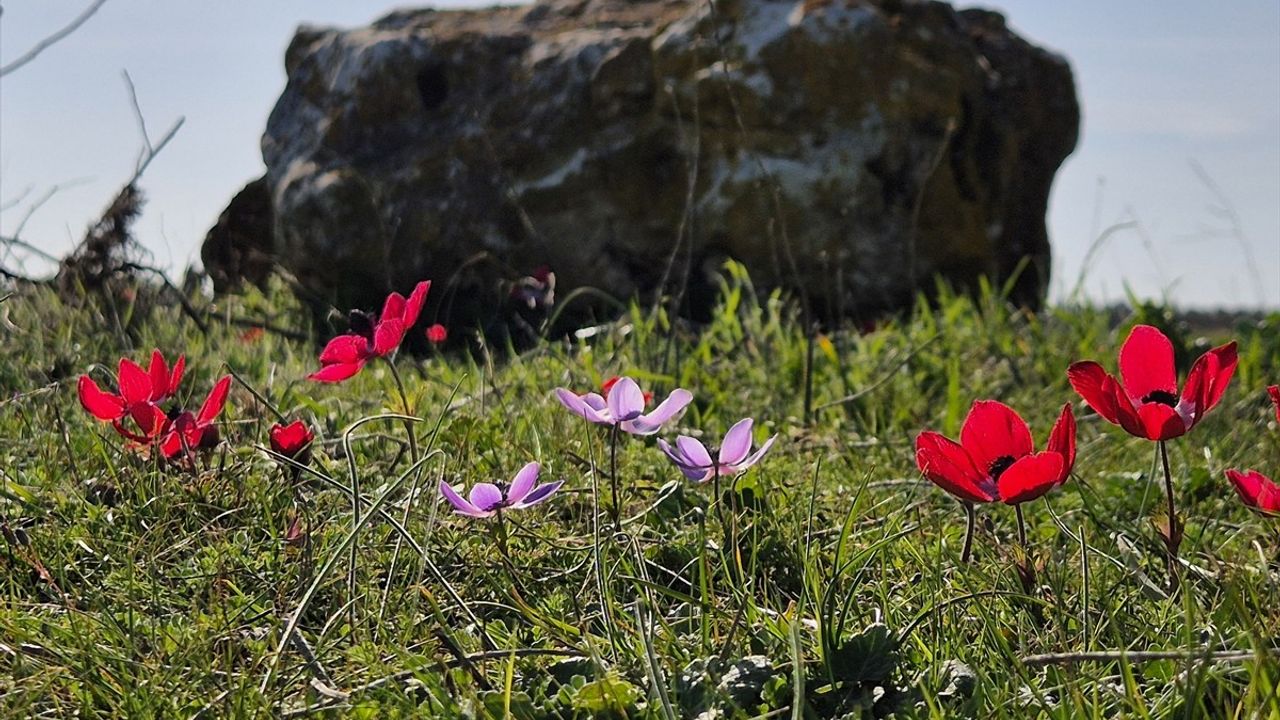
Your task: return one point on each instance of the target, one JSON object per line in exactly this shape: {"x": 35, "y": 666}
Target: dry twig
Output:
{"x": 52, "y": 39}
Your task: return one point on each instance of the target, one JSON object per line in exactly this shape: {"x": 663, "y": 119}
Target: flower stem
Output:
{"x": 734, "y": 552}
{"x": 613, "y": 478}
{"x": 719, "y": 498}
{"x": 728, "y": 532}
{"x": 1022, "y": 527}
{"x": 500, "y": 533}
{"x": 1025, "y": 566}
{"x": 1173, "y": 531}
{"x": 704, "y": 583}
{"x": 598, "y": 558}
{"x": 500, "y": 539}
{"x": 404, "y": 402}
{"x": 971, "y": 524}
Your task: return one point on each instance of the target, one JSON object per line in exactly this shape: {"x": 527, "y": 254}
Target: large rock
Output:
{"x": 845, "y": 149}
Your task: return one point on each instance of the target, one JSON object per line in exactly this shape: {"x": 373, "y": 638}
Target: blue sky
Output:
{"x": 1165, "y": 88}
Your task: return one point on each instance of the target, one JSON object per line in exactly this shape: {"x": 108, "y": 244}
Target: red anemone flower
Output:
{"x": 141, "y": 391}
{"x": 437, "y": 334}
{"x": 1274, "y": 392}
{"x": 196, "y": 432}
{"x": 1147, "y": 404}
{"x": 1256, "y": 490}
{"x": 292, "y": 441}
{"x": 996, "y": 458}
{"x": 345, "y": 355}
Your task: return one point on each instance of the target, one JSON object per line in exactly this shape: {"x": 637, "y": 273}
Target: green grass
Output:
{"x": 131, "y": 589}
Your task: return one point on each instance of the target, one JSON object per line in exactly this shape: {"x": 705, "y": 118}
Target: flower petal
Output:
{"x": 180, "y": 435}
{"x": 345, "y": 349}
{"x": 1093, "y": 384}
{"x": 736, "y": 443}
{"x": 102, "y": 405}
{"x": 1256, "y": 490}
{"x": 1104, "y": 394}
{"x": 171, "y": 446}
{"x": 393, "y": 308}
{"x": 1030, "y": 477}
{"x": 991, "y": 431}
{"x": 694, "y": 452}
{"x": 150, "y": 421}
{"x": 697, "y": 474}
{"x": 290, "y": 440}
{"x": 948, "y": 466}
{"x": 674, "y": 454}
{"x": 135, "y": 383}
{"x": 649, "y": 424}
{"x": 542, "y": 492}
{"x": 1207, "y": 382}
{"x": 688, "y": 468}
{"x": 460, "y": 504}
{"x": 387, "y": 336}
{"x": 1130, "y": 419}
{"x": 579, "y": 406}
{"x": 158, "y": 369}
{"x": 175, "y": 375}
{"x": 625, "y": 400}
{"x": 1160, "y": 422}
{"x": 413, "y": 306}
{"x": 139, "y": 438}
{"x": 755, "y": 457}
{"x": 1146, "y": 364}
{"x": 486, "y": 496}
{"x": 336, "y": 372}
{"x": 214, "y": 403}
{"x": 1274, "y": 392}
{"x": 523, "y": 482}
{"x": 1062, "y": 440}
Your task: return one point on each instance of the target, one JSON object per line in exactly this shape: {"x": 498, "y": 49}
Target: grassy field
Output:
{"x": 137, "y": 588}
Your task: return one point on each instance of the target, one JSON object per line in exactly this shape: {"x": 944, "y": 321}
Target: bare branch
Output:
{"x": 23, "y": 244}
{"x": 252, "y": 324}
{"x": 44, "y": 44}
{"x": 10, "y": 204}
{"x": 186, "y": 305}
{"x": 44, "y": 199}
{"x": 149, "y": 151}
{"x": 142, "y": 166}
{"x": 137, "y": 114}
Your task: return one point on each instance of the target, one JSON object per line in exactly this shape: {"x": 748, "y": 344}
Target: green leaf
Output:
{"x": 869, "y": 656}
{"x": 606, "y": 697}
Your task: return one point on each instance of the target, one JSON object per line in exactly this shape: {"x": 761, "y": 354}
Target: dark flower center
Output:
{"x": 209, "y": 438}
{"x": 1164, "y": 397}
{"x": 999, "y": 465}
{"x": 361, "y": 323}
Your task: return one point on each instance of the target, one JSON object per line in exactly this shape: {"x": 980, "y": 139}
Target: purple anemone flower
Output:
{"x": 735, "y": 455}
{"x": 488, "y": 499}
{"x": 623, "y": 407}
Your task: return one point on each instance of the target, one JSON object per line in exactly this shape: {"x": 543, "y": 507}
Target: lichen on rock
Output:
{"x": 845, "y": 149}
